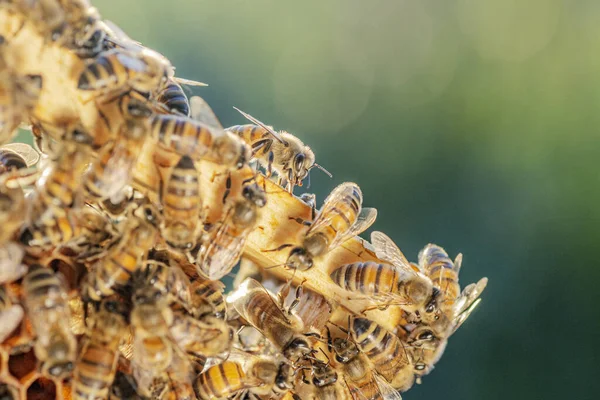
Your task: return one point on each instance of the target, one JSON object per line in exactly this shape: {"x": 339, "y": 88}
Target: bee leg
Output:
{"x": 299, "y": 291}
{"x": 227, "y": 188}
{"x": 301, "y": 221}
{"x": 283, "y": 246}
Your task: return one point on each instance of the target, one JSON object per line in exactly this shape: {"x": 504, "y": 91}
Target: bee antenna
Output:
{"x": 262, "y": 125}
{"x": 322, "y": 169}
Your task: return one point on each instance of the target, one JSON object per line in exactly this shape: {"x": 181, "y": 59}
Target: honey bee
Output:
{"x": 108, "y": 175}
{"x": 151, "y": 318}
{"x": 129, "y": 66}
{"x": 254, "y": 303}
{"x": 96, "y": 234}
{"x": 120, "y": 69}
{"x": 221, "y": 251}
{"x": 95, "y": 370}
{"x": 326, "y": 382}
{"x": 171, "y": 281}
{"x": 223, "y": 381}
{"x": 49, "y": 313}
{"x": 49, "y": 221}
{"x": 83, "y": 32}
{"x": 208, "y": 337}
{"x": 281, "y": 152}
{"x": 207, "y": 298}
{"x": 202, "y": 137}
{"x": 182, "y": 203}
{"x": 388, "y": 355}
{"x": 340, "y": 218}
{"x": 395, "y": 283}
{"x": 466, "y": 303}
{"x": 116, "y": 270}
{"x": 362, "y": 382}
{"x": 10, "y": 314}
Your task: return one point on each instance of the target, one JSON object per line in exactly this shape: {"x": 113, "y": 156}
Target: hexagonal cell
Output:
{"x": 8, "y": 392}
{"x": 41, "y": 389}
{"x": 21, "y": 365}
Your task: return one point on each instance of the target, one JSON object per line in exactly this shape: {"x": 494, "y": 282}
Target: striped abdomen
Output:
{"x": 181, "y": 204}
{"x": 341, "y": 209}
{"x": 384, "y": 350}
{"x": 157, "y": 353}
{"x": 105, "y": 72}
{"x": 262, "y": 312}
{"x": 60, "y": 183}
{"x": 174, "y": 99}
{"x": 368, "y": 278}
{"x": 207, "y": 298}
{"x": 52, "y": 231}
{"x": 442, "y": 271}
{"x": 220, "y": 381}
{"x": 249, "y": 133}
{"x": 118, "y": 268}
{"x": 95, "y": 370}
{"x": 43, "y": 289}
{"x": 182, "y": 135}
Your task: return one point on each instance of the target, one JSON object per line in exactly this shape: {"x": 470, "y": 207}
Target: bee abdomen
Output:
{"x": 175, "y": 99}
{"x": 220, "y": 381}
{"x": 366, "y": 277}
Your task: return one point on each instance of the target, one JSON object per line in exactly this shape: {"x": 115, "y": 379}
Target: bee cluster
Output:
{"x": 119, "y": 225}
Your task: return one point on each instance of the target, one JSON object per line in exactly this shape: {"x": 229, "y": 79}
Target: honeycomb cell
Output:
{"x": 8, "y": 392}
{"x": 21, "y": 365}
{"x": 41, "y": 389}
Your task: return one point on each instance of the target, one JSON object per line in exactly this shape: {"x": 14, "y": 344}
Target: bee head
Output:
{"x": 300, "y": 259}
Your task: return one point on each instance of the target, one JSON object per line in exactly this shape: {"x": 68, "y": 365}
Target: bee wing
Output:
{"x": 468, "y": 301}
{"x": 326, "y": 212}
{"x": 365, "y": 219}
{"x": 262, "y": 125}
{"x": 241, "y": 294}
{"x": 188, "y": 82}
{"x": 29, "y": 154}
{"x": 385, "y": 389}
{"x": 119, "y": 37}
{"x": 387, "y": 250}
{"x": 11, "y": 318}
{"x": 201, "y": 111}
{"x": 130, "y": 61}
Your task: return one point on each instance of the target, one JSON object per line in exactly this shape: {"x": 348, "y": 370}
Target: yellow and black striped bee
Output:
{"x": 254, "y": 303}
{"x": 443, "y": 272}
{"x": 116, "y": 270}
{"x": 389, "y": 356}
{"x": 206, "y": 337}
{"x": 48, "y": 310}
{"x": 340, "y": 218}
{"x": 111, "y": 172}
{"x": 396, "y": 283}
{"x": 95, "y": 370}
{"x": 207, "y": 298}
{"x": 49, "y": 217}
{"x": 281, "y": 152}
{"x": 223, "y": 381}
{"x": 181, "y": 206}
{"x": 202, "y": 137}
{"x": 223, "y": 247}
{"x": 11, "y": 314}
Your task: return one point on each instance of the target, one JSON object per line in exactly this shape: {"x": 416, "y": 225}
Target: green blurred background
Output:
{"x": 469, "y": 123}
